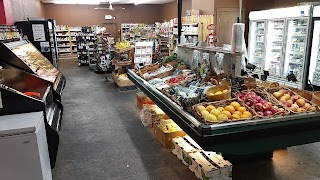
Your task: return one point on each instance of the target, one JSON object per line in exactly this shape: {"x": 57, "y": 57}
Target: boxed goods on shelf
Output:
{"x": 165, "y": 131}
{"x": 142, "y": 99}
{"x": 209, "y": 165}
{"x": 183, "y": 146}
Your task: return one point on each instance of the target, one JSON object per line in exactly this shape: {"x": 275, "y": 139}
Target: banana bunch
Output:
{"x": 122, "y": 45}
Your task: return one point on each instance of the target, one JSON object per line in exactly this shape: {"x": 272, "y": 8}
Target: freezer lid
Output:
{"x": 281, "y": 13}
{"x": 20, "y": 123}
{"x": 316, "y": 11}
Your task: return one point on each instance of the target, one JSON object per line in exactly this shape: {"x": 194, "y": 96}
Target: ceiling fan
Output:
{"x": 110, "y": 8}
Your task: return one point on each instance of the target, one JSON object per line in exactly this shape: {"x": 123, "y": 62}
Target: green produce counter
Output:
{"x": 238, "y": 138}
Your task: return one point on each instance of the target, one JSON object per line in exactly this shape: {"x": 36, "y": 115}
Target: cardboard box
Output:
{"x": 165, "y": 138}
{"x": 150, "y": 114}
{"x": 142, "y": 99}
{"x": 183, "y": 146}
{"x": 209, "y": 165}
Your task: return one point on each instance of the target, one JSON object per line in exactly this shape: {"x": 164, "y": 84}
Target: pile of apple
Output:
{"x": 261, "y": 106}
{"x": 295, "y": 102}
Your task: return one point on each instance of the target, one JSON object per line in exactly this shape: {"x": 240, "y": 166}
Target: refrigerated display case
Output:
{"x": 23, "y": 55}
{"x": 41, "y": 33}
{"x": 314, "y": 52}
{"x": 257, "y": 44}
{"x": 23, "y": 92}
{"x": 286, "y": 38}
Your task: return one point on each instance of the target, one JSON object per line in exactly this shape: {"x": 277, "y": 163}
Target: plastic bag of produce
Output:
{"x": 151, "y": 113}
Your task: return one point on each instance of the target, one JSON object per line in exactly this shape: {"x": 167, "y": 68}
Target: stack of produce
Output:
{"x": 122, "y": 45}
{"x": 163, "y": 71}
{"x": 294, "y": 102}
{"x": 260, "y": 102}
{"x": 222, "y": 111}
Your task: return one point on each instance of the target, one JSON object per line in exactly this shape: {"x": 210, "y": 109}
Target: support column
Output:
{"x": 179, "y": 19}
{"x": 6, "y": 12}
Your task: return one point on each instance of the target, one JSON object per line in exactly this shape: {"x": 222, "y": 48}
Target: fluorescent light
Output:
{"x": 96, "y": 2}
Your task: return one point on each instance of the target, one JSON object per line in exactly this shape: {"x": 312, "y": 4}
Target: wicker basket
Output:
{"x": 316, "y": 98}
{"x": 303, "y": 93}
{"x": 197, "y": 114}
{"x": 267, "y": 85}
{"x": 309, "y": 110}
{"x": 147, "y": 68}
{"x": 214, "y": 89}
{"x": 265, "y": 96}
{"x": 124, "y": 62}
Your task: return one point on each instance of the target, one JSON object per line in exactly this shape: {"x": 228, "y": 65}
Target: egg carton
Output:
{"x": 209, "y": 165}
{"x": 183, "y": 146}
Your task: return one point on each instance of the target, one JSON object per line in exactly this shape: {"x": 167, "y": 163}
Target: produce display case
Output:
{"x": 238, "y": 139}
{"x": 23, "y": 55}
{"x": 22, "y": 92}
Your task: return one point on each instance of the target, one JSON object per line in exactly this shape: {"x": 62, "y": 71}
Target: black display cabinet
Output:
{"x": 41, "y": 33}
{"x": 23, "y": 55}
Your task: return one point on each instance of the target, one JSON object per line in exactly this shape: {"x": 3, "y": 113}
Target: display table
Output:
{"x": 238, "y": 138}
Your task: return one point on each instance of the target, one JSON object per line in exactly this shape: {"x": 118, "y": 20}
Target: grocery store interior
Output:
{"x": 159, "y": 89}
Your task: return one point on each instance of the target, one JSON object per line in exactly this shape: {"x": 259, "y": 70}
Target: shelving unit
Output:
{"x": 137, "y": 32}
{"x": 104, "y": 51}
{"x": 143, "y": 53}
{"x": 66, "y": 38}
{"x": 86, "y": 48}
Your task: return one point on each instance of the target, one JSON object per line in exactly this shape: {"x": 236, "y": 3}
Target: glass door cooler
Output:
{"x": 22, "y": 92}
{"x": 257, "y": 44}
{"x": 314, "y": 52}
{"x": 23, "y": 55}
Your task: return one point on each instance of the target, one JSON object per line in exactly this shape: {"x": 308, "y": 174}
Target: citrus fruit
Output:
{"x": 238, "y": 112}
{"x": 204, "y": 113}
{"x": 220, "y": 109}
{"x": 230, "y": 108}
{"x": 247, "y": 113}
{"x": 215, "y": 112}
{"x": 201, "y": 108}
{"x": 235, "y": 116}
{"x": 236, "y": 105}
{"x": 242, "y": 109}
{"x": 209, "y": 108}
{"x": 222, "y": 117}
{"x": 224, "y": 91}
{"x": 211, "y": 118}
{"x": 244, "y": 116}
{"x": 228, "y": 114}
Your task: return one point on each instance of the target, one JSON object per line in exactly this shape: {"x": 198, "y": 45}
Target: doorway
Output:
{"x": 226, "y": 17}
{"x": 112, "y": 28}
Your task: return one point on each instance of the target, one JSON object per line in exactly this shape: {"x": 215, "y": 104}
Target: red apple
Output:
{"x": 294, "y": 107}
{"x": 266, "y": 107}
{"x": 258, "y": 98}
{"x": 260, "y": 113}
{"x": 268, "y": 113}
{"x": 289, "y": 103}
{"x": 286, "y": 96}
{"x": 282, "y": 91}
{"x": 262, "y": 101}
{"x": 258, "y": 107}
{"x": 281, "y": 109}
{"x": 283, "y": 100}
{"x": 249, "y": 102}
{"x": 274, "y": 110}
{"x": 301, "y": 102}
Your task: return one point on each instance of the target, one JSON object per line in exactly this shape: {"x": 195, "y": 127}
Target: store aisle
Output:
{"x": 102, "y": 138}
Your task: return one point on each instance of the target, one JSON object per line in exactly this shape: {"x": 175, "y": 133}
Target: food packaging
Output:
{"x": 183, "y": 146}
{"x": 143, "y": 99}
{"x": 209, "y": 165}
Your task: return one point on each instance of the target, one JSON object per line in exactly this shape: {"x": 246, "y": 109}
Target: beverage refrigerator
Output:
{"x": 313, "y": 75}
{"x": 278, "y": 43}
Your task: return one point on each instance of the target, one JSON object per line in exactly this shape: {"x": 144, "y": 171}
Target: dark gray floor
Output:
{"x": 102, "y": 137}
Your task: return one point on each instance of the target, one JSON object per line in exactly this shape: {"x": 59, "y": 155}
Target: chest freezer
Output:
{"x": 24, "y": 150}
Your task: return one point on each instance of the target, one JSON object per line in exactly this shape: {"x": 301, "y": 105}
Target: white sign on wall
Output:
{"x": 38, "y": 32}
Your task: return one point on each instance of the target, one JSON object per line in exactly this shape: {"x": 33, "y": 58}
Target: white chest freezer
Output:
{"x": 23, "y": 147}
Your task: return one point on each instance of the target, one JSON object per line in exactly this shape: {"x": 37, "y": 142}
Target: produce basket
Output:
{"x": 267, "y": 85}
{"x": 312, "y": 107}
{"x": 249, "y": 83}
{"x": 316, "y": 98}
{"x": 303, "y": 93}
{"x": 262, "y": 97}
{"x": 215, "y": 89}
{"x": 161, "y": 75}
{"x": 197, "y": 114}
{"x": 188, "y": 103}
{"x": 147, "y": 68}
{"x": 173, "y": 97}
{"x": 124, "y": 62}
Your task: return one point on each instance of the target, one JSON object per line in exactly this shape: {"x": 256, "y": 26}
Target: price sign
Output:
{"x": 211, "y": 27}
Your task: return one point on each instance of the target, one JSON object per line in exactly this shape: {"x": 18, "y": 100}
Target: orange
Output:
{"x": 231, "y": 109}
{"x": 209, "y": 108}
{"x": 228, "y": 114}
{"x": 236, "y": 105}
{"x": 220, "y": 109}
{"x": 238, "y": 112}
{"x": 244, "y": 116}
{"x": 235, "y": 116}
{"x": 242, "y": 109}
{"x": 222, "y": 117}
{"x": 247, "y": 113}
